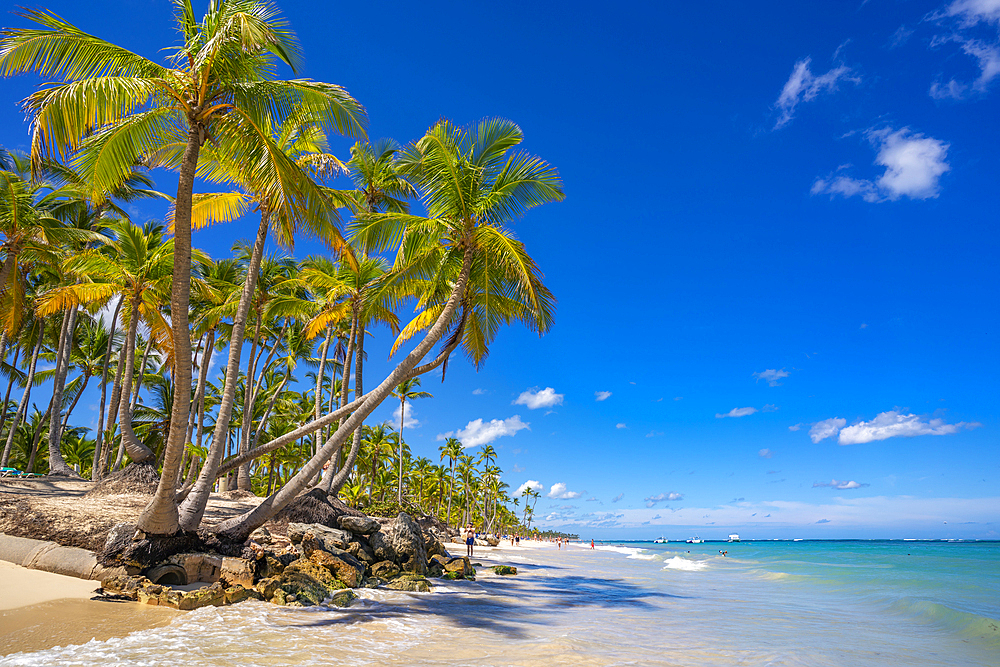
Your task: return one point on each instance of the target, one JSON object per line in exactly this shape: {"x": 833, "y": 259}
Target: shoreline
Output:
{"x": 41, "y": 610}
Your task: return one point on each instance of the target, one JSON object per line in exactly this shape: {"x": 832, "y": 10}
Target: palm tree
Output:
{"x": 451, "y": 449}
{"x": 135, "y": 266}
{"x": 471, "y": 275}
{"x": 405, "y": 392}
{"x": 121, "y": 107}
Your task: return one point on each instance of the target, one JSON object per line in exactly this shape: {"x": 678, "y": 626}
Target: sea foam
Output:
{"x": 679, "y": 563}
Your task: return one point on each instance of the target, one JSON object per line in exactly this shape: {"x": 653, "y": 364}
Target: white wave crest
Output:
{"x": 678, "y": 563}
{"x": 642, "y": 556}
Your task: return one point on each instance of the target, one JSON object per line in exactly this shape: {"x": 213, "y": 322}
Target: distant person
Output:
{"x": 591, "y": 544}
{"x": 517, "y": 540}
{"x": 470, "y": 540}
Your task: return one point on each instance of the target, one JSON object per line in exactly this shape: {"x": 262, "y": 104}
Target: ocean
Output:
{"x": 829, "y": 603}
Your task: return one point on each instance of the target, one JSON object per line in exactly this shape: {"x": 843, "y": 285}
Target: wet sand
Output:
{"x": 40, "y": 610}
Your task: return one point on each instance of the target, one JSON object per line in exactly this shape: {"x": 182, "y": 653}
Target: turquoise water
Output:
{"x": 821, "y": 604}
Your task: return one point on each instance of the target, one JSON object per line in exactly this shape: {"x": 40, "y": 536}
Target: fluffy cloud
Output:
{"x": 663, "y": 497}
{"x": 893, "y": 424}
{"x": 839, "y": 485}
{"x": 534, "y": 399}
{"x": 765, "y": 453}
{"x": 410, "y": 416}
{"x": 913, "y": 165}
{"x": 795, "y": 427}
{"x": 478, "y": 432}
{"x": 736, "y": 412}
{"x": 478, "y": 392}
{"x": 620, "y": 425}
{"x": 532, "y": 484}
{"x": 771, "y": 376}
{"x": 560, "y": 491}
{"x": 618, "y": 497}
{"x": 826, "y": 428}
{"x": 602, "y": 395}
{"x": 804, "y": 86}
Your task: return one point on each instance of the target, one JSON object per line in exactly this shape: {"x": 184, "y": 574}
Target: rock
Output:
{"x": 125, "y": 585}
{"x": 380, "y": 547}
{"x": 359, "y": 525}
{"x": 349, "y": 573}
{"x": 404, "y": 538}
{"x": 268, "y": 587}
{"x": 433, "y": 545}
{"x": 361, "y": 551}
{"x": 481, "y": 542}
{"x": 343, "y": 598}
{"x": 328, "y": 537}
{"x": 237, "y": 571}
{"x": 235, "y": 594}
{"x": 460, "y": 566}
{"x": 372, "y": 582}
{"x": 409, "y": 582}
{"x": 271, "y": 567}
{"x": 261, "y": 536}
{"x": 492, "y": 541}
{"x": 149, "y": 594}
{"x": 208, "y": 596}
{"x": 384, "y": 569}
{"x": 504, "y": 569}
{"x": 308, "y": 582}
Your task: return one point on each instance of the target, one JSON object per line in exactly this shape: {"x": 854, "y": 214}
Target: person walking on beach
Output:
{"x": 592, "y": 543}
{"x": 470, "y": 540}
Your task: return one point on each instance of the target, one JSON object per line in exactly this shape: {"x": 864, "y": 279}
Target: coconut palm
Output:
{"x": 451, "y": 449}
{"x": 121, "y": 108}
{"x": 405, "y": 392}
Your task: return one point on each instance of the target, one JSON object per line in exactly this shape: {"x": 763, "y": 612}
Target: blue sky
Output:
{"x": 780, "y": 224}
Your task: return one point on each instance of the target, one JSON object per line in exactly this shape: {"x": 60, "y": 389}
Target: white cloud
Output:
{"x": 765, "y": 453}
{"x": 892, "y": 424}
{"x": 620, "y": 425}
{"x": 795, "y": 427}
{"x": 769, "y": 407}
{"x": 840, "y": 485}
{"x": 618, "y": 497}
{"x": 913, "y": 165}
{"x": 410, "y": 415}
{"x": 478, "y": 392}
{"x": 804, "y": 86}
{"x": 535, "y": 399}
{"x": 663, "y": 497}
{"x": 771, "y": 376}
{"x": 826, "y": 428}
{"x": 530, "y": 484}
{"x": 737, "y": 412}
{"x": 478, "y": 433}
{"x": 602, "y": 395}
{"x": 974, "y": 11}
{"x": 559, "y": 490}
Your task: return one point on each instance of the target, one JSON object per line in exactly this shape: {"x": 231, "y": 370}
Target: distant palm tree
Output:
{"x": 451, "y": 449}
{"x": 405, "y": 392}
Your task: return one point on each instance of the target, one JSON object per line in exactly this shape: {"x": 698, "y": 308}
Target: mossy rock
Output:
{"x": 343, "y": 598}
{"x": 452, "y": 575}
{"x": 504, "y": 570}
{"x": 411, "y": 583}
{"x": 308, "y": 582}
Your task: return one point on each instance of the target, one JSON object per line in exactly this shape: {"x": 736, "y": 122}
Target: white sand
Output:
{"x": 20, "y": 587}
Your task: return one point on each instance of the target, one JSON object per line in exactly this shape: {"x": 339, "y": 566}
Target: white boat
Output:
{"x": 660, "y": 540}
{"x": 695, "y": 540}
{"x": 734, "y": 537}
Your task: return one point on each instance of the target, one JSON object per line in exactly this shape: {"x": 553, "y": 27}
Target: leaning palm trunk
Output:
{"x": 243, "y": 473}
{"x": 160, "y": 516}
{"x": 57, "y": 466}
{"x": 240, "y": 527}
{"x": 320, "y": 372}
{"x": 402, "y": 420}
{"x": 23, "y": 405}
{"x": 137, "y": 451}
{"x": 193, "y": 508}
{"x": 199, "y": 392}
{"x": 109, "y": 431}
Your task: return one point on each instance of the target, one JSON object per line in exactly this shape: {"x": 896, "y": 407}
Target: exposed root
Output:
{"x": 140, "y": 478}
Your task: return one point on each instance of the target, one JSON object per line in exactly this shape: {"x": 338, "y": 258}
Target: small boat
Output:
{"x": 734, "y": 537}
{"x": 695, "y": 540}
{"x": 660, "y": 540}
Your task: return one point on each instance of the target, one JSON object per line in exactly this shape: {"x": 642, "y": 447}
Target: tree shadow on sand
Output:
{"x": 502, "y": 606}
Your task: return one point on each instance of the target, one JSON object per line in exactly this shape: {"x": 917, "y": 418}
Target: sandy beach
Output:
{"x": 40, "y": 610}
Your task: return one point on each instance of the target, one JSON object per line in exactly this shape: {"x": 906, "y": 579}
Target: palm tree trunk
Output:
{"x": 320, "y": 372}
{"x": 137, "y": 451}
{"x": 76, "y": 399}
{"x": 199, "y": 392}
{"x": 10, "y": 387}
{"x": 337, "y": 481}
{"x": 243, "y": 472}
{"x": 102, "y": 450}
{"x": 200, "y": 363}
{"x": 7, "y": 270}
{"x": 23, "y": 405}
{"x": 193, "y": 508}
{"x": 241, "y": 526}
{"x": 57, "y": 466}
{"x": 402, "y": 420}
{"x": 451, "y": 492}
{"x": 142, "y": 372}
